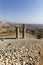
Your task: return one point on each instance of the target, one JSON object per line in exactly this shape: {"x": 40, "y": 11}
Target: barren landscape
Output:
{"x": 21, "y": 51}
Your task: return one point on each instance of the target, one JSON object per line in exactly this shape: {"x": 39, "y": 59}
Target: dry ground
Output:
{"x": 21, "y": 42}
{"x": 30, "y": 40}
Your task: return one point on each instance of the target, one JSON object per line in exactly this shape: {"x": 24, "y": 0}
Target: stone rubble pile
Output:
{"x": 25, "y": 55}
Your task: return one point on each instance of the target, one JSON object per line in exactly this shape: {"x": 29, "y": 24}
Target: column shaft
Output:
{"x": 17, "y": 32}
{"x": 24, "y": 31}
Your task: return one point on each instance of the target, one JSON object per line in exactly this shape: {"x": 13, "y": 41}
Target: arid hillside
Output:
{"x": 20, "y": 51}
{"x": 9, "y": 29}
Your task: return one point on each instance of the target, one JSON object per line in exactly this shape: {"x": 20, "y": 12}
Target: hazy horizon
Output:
{"x": 22, "y": 11}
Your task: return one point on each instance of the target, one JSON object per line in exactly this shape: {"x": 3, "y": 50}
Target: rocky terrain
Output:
{"x": 26, "y": 51}
{"x": 21, "y": 52}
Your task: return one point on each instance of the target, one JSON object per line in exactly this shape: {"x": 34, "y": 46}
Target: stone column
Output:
{"x": 24, "y": 31}
{"x": 17, "y": 32}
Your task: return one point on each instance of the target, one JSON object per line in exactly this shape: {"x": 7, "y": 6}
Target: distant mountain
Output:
{"x": 30, "y": 26}
{"x": 3, "y": 24}
{"x": 35, "y": 26}
{"x": 7, "y": 24}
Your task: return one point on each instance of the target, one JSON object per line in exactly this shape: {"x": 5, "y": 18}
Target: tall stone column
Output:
{"x": 17, "y": 32}
{"x": 24, "y": 31}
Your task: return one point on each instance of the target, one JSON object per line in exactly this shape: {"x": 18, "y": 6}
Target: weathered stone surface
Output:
{"x": 24, "y": 55}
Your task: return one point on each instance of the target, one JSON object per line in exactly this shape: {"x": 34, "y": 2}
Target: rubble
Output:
{"x": 26, "y": 55}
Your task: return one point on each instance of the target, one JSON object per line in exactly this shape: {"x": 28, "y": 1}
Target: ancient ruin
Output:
{"x": 23, "y": 33}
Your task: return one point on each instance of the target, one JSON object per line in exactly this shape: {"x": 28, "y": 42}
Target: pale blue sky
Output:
{"x": 24, "y": 11}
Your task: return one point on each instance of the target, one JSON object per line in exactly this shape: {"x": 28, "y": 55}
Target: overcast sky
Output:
{"x": 22, "y": 11}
